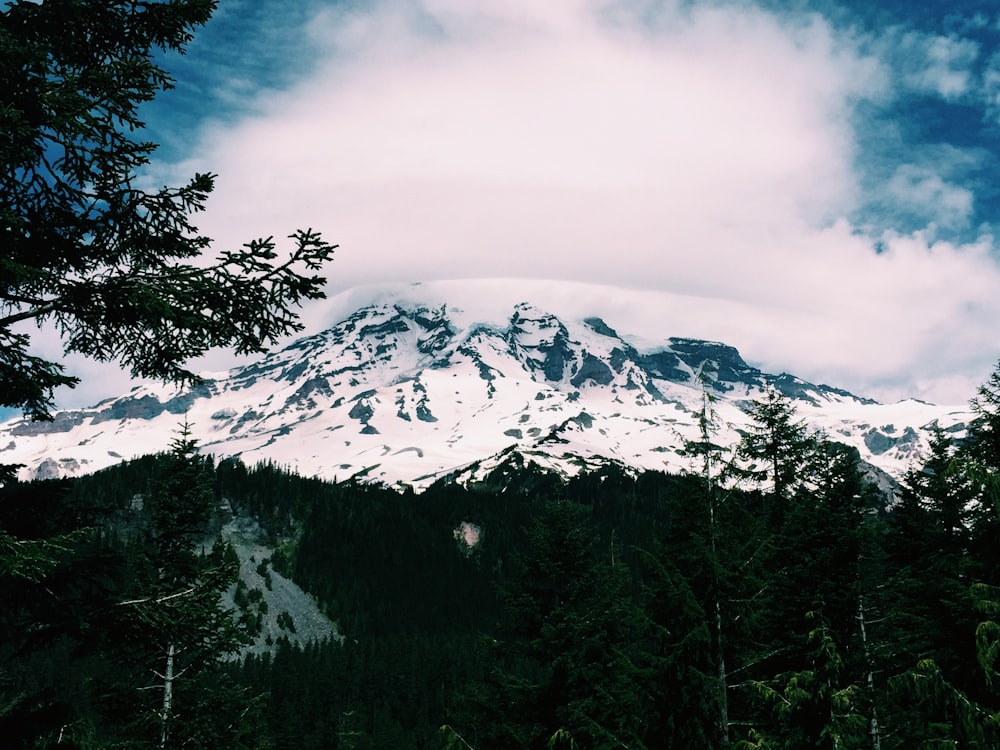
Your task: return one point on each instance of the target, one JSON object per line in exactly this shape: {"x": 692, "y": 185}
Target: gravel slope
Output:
{"x": 283, "y": 595}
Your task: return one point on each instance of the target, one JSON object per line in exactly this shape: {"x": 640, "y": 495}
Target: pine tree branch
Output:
{"x": 37, "y": 312}
{"x": 158, "y": 600}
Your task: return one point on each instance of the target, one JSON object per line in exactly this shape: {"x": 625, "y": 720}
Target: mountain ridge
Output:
{"x": 409, "y": 388}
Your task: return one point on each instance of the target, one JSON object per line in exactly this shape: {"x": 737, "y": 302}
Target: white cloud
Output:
{"x": 725, "y": 117}
{"x": 936, "y": 64}
{"x": 923, "y": 191}
{"x": 706, "y": 153}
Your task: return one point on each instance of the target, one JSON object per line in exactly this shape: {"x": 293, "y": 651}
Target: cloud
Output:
{"x": 923, "y": 192}
{"x": 708, "y": 153}
{"x": 991, "y": 86}
{"x": 934, "y": 64}
{"x": 720, "y": 116}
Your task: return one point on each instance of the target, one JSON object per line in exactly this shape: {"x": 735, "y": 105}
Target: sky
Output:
{"x": 813, "y": 182}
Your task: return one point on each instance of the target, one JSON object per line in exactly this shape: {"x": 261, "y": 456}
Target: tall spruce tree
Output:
{"x": 818, "y": 550}
{"x": 939, "y": 547}
{"x": 683, "y": 678}
{"x": 775, "y": 452}
{"x": 708, "y": 454}
{"x": 985, "y": 432}
{"x": 927, "y": 546}
{"x": 812, "y": 706}
{"x": 983, "y": 467}
{"x": 117, "y": 641}
{"x": 815, "y": 680}
{"x": 173, "y": 618}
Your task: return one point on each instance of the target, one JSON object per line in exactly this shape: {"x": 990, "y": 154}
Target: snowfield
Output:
{"x": 411, "y": 386}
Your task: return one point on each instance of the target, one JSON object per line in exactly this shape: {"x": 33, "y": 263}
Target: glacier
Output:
{"x": 415, "y": 383}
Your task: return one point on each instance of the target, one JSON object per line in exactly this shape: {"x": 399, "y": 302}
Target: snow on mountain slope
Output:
{"x": 408, "y": 387}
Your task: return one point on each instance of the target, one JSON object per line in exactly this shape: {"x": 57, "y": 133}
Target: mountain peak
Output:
{"x": 409, "y": 386}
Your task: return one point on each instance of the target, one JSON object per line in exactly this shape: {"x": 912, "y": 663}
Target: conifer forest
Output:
{"x": 769, "y": 598}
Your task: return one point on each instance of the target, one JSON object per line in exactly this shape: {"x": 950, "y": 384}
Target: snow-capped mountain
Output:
{"x": 409, "y": 388}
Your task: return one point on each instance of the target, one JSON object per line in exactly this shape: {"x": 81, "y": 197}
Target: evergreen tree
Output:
{"x": 571, "y": 662}
{"x": 983, "y": 467}
{"x": 117, "y": 271}
{"x": 812, "y": 705}
{"x": 173, "y": 621}
{"x": 115, "y": 267}
{"x": 775, "y": 452}
{"x": 939, "y": 545}
{"x": 821, "y": 556}
{"x": 683, "y": 678}
{"x": 980, "y": 454}
{"x": 820, "y": 682}
{"x": 818, "y": 552}
{"x": 708, "y": 453}
{"x": 985, "y": 432}
{"x": 933, "y": 712}
{"x": 117, "y": 640}
{"x": 927, "y": 547}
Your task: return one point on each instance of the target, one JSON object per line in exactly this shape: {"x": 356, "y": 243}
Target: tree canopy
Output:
{"x": 118, "y": 270}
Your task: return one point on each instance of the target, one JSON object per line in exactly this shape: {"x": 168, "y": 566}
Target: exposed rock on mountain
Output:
{"x": 404, "y": 392}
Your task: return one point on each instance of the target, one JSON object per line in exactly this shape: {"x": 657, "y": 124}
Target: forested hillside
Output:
{"x": 770, "y": 600}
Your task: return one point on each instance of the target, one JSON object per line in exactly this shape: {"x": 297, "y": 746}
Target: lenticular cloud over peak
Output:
{"x": 822, "y": 171}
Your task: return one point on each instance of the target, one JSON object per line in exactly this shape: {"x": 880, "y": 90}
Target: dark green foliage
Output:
{"x": 586, "y": 615}
{"x": 286, "y": 622}
{"x": 686, "y": 696}
{"x": 86, "y": 638}
{"x": 603, "y": 611}
{"x": 934, "y": 713}
{"x": 813, "y": 706}
{"x": 928, "y": 552}
{"x": 941, "y": 557}
{"x": 90, "y": 581}
{"x": 113, "y": 266}
{"x": 982, "y": 465}
{"x": 602, "y": 630}
{"x": 984, "y": 442}
{"x": 776, "y": 452}
{"x": 570, "y": 658}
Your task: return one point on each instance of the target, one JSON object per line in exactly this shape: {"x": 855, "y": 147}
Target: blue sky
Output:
{"x": 815, "y": 181}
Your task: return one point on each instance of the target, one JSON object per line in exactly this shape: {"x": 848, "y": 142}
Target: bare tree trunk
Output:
{"x": 720, "y": 654}
{"x": 720, "y": 668}
{"x": 168, "y": 696}
{"x": 873, "y": 727}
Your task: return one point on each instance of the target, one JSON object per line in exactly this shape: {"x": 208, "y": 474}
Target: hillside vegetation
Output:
{"x": 795, "y": 609}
